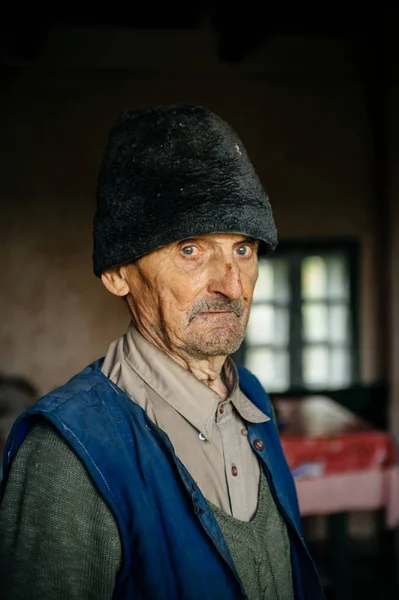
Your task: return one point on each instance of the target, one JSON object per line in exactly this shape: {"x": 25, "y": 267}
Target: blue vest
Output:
{"x": 172, "y": 547}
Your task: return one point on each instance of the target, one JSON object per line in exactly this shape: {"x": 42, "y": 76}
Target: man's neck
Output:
{"x": 207, "y": 369}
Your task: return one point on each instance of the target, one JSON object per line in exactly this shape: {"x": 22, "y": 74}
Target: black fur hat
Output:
{"x": 171, "y": 173}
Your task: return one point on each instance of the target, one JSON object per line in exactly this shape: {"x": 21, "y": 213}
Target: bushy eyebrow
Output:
{"x": 247, "y": 239}
{"x": 250, "y": 240}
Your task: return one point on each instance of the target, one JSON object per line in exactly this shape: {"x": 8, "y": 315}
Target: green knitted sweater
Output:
{"x": 260, "y": 548}
{"x": 59, "y": 540}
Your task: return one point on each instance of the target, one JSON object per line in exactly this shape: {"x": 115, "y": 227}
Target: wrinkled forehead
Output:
{"x": 232, "y": 237}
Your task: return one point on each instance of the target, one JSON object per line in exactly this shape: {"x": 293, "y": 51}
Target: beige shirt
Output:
{"x": 208, "y": 434}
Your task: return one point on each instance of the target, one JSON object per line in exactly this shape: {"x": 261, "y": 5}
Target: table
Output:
{"x": 340, "y": 464}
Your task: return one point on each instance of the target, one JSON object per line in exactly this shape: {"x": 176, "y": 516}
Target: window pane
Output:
{"x": 272, "y": 281}
{"x": 315, "y": 366}
{"x": 314, "y": 277}
{"x": 265, "y": 284}
{"x": 326, "y": 368}
{"x": 338, "y": 278}
{"x": 315, "y": 322}
{"x": 281, "y": 285}
{"x": 268, "y": 325}
{"x": 271, "y": 367}
{"x": 340, "y": 367}
{"x": 339, "y": 324}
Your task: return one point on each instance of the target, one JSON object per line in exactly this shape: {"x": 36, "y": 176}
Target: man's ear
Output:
{"x": 115, "y": 282}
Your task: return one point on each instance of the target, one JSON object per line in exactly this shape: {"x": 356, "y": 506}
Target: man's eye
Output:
{"x": 244, "y": 250}
{"x": 188, "y": 250}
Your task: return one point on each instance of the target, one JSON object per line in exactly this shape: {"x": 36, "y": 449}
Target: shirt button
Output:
{"x": 234, "y": 471}
{"x": 259, "y": 445}
{"x": 244, "y": 432}
{"x": 201, "y": 437}
{"x": 221, "y": 409}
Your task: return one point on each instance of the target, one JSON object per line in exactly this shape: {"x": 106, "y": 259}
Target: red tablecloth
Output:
{"x": 345, "y": 472}
{"x": 339, "y": 462}
{"x": 341, "y": 453}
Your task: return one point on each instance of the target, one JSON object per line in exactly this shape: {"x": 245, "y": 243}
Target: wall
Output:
{"x": 295, "y": 104}
{"x": 394, "y": 261}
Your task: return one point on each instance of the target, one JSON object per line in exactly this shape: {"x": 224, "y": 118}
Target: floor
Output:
{"x": 370, "y": 573}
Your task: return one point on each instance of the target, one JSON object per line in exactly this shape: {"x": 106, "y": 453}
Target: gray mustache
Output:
{"x": 204, "y": 305}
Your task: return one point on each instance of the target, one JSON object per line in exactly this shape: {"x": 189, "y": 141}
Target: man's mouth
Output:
{"x": 215, "y": 313}
{"x": 204, "y": 309}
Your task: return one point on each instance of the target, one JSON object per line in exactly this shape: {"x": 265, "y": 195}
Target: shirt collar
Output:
{"x": 181, "y": 389}
{"x": 241, "y": 403}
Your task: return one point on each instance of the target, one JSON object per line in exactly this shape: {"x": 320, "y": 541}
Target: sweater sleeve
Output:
{"x": 58, "y": 538}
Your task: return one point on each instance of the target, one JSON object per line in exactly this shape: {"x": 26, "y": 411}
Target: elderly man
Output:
{"x": 157, "y": 472}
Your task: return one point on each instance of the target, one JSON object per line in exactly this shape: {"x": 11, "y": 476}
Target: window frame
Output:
{"x": 296, "y": 250}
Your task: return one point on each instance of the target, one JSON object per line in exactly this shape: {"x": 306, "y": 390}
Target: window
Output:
{"x": 302, "y": 331}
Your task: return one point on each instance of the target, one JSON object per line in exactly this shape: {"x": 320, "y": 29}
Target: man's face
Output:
{"x": 195, "y": 295}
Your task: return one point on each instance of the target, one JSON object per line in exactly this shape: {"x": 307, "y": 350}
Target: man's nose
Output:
{"x": 226, "y": 280}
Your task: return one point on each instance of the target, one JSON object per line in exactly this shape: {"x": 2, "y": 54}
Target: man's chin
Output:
{"x": 219, "y": 344}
